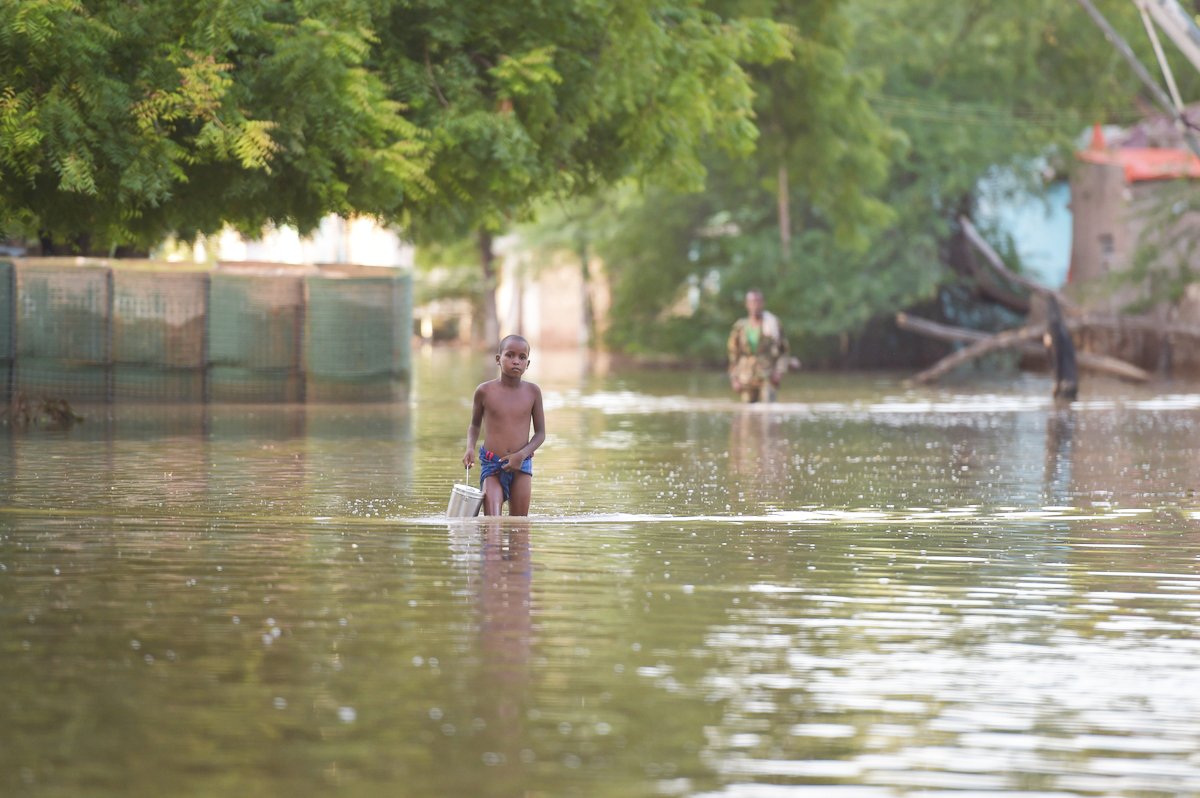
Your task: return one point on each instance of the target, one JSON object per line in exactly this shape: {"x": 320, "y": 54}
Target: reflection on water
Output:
{"x": 859, "y": 591}
{"x": 504, "y": 580}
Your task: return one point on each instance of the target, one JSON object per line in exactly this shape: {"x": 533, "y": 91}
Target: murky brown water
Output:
{"x": 861, "y": 592}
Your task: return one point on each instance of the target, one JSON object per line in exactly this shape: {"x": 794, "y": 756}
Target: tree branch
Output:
{"x": 1087, "y": 360}
{"x": 433, "y": 81}
{"x": 997, "y": 264}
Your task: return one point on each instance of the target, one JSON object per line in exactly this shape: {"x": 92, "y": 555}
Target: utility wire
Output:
{"x": 971, "y": 113}
{"x": 1159, "y": 95}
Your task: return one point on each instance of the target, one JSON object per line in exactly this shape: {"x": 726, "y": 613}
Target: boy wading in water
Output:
{"x": 506, "y": 407}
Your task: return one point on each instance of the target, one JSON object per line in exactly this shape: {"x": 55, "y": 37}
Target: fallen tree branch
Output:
{"x": 1092, "y": 362}
{"x": 997, "y": 264}
{"x": 993, "y": 343}
{"x": 1088, "y": 321}
{"x": 1000, "y": 291}
{"x": 933, "y": 329}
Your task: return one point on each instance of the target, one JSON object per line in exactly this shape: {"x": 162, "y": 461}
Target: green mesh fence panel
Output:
{"x": 7, "y": 311}
{"x": 235, "y": 384}
{"x": 158, "y": 384}
{"x": 159, "y": 319}
{"x": 402, "y": 329}
{"x": 62, "y": 333}
{"x": 8, "y": 323}
{"x": 53, "y": 378}
{"x": 254, "y": 324}
{"x": 159, "y": 344}
{"x": 349, "y": 327}
{"x": 63, "y": 313}
{"x": 349, "y": 338}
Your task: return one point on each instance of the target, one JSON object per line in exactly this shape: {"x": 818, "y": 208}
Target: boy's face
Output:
{"x": 513, "y": 358}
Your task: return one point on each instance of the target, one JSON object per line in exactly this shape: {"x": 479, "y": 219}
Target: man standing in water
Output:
{"x": 758, "y": 352}
{"x": 506, "y": 407}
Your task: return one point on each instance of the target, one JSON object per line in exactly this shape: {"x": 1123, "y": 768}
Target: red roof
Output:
{"x": 1146, "y": 163}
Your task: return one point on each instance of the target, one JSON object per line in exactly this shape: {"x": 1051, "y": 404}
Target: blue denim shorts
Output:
{"x": 489, "y": 465}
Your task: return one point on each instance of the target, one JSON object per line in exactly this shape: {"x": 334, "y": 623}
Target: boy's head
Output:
{"x": 512, "y": 356}
{"x": 511, "y": 339}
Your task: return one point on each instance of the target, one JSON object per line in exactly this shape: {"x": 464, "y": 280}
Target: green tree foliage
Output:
{"x": 886, "y": 125}
{"x": 125, "y": 121}
{"x": 787, "y": 219}
{"x": 121, "y": 122}
{"x": 993, "y": 98}
{"x": 525, "y": 100}
{"x": 529, "y": 100}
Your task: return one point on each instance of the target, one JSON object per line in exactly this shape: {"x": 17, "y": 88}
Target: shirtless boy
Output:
{"x": 506, "y": 406}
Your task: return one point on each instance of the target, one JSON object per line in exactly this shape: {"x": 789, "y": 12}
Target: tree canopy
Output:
{"x": 122, "y": 122}
{"x": 525, "y": 100}
{"x": 819, "y": 149}
{"x": 885, "y": 126}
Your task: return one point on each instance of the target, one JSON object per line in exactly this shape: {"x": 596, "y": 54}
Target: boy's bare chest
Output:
{"x": 509, "y": 404}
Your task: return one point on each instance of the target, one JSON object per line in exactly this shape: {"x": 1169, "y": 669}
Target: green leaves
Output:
{"x": 529, "y": 100}
{"x": 127, "y": 121}
{"x": 874, "y": 135}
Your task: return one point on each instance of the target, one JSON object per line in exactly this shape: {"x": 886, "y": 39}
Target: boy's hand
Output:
{"x": 512, "y": 462}
{"x": 469, "y": 458}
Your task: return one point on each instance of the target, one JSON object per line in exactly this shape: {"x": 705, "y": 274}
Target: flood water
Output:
{"x": 864, "y": 591}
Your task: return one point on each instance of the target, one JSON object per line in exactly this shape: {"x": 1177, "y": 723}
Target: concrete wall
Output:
{"x": 545, "y": 301}
{"x": 1112, "y": 220}
{"x": 1100, "y": 233}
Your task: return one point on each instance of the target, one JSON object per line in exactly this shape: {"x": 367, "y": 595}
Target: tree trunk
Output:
{"x": 487, "y": 260}
{"x": 1062, "y": 352}
{"x": 783, "y": 199}
{"x": 588, "y": 322}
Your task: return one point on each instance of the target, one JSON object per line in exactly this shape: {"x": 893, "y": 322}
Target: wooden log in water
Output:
{"x": 1092, "y": 362}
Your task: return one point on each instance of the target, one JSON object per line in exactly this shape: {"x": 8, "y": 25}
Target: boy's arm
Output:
{"x": 473, "y": 429}
{"x": 539, "y": 425}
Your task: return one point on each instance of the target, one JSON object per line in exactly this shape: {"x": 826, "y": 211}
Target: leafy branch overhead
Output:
{"x": 122, "y": 122}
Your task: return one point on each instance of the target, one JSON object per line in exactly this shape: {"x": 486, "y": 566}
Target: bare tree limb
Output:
{"x": 994, "y": 260}
{"x": 1092, "y": 362}
{"x": 999, "y": 290}
{"x": 932, "y": 329}
{"x": 993, "y": 343}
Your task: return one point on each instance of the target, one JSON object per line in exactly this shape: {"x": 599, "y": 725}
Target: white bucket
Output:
{"x": 465, "y": 502}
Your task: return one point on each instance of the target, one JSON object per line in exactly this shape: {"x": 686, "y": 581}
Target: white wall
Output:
{"x": 359, "y": 240}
